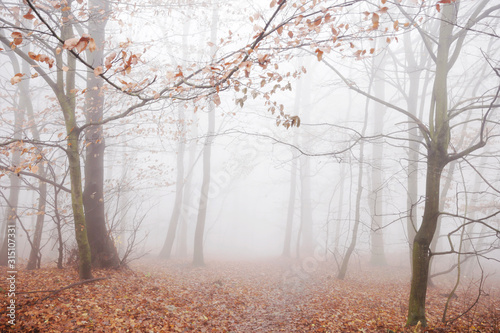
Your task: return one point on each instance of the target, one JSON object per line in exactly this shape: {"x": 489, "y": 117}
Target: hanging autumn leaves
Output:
{"x": 78, "y": 44}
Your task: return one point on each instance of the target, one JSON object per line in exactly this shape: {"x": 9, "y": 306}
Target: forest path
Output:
{"x": 238, "y": 297}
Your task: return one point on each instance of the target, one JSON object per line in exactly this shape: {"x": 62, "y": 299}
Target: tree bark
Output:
{"x": 421, "y": 253}
{"x": 35, "y": 256}
{"x": 102, "y": 247}
{"x": 437, "y": 158}
{"x": 66, "y": 97}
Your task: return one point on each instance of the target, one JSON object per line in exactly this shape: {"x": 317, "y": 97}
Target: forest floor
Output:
{"x": 265, "y": 296}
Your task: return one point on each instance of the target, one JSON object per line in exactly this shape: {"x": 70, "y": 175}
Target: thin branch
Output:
{"x": 351, "y": 85}
{"x": 43, "y": 179}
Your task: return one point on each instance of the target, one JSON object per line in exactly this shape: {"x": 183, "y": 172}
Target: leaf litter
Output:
{"x": 259, "y": 296}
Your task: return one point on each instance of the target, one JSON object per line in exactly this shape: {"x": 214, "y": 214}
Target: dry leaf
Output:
{"x": 98, "y": 71}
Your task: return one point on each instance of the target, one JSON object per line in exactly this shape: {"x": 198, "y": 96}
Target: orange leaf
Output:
{"x": 82, "y": 45}
{"x": 16, "y": 78}
{"x": 108, "y": 60}
{"x": 98, "y": 71}
{"x": 319, "y": 54}
{"x": 18, "y": 38}
{"x": 216, "y": 99}
{"x": 70, "y": 43}
{"x": 29, "y": 16}
{"x": 290, "y": 34}
{"x": 375, "y": 20}
{"x": 92, "y": 46}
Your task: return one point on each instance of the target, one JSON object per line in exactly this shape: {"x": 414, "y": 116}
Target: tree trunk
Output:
{"x": 198, "y": 258}
{"x": 340, "y": 217}
{"x": 176, "y": 217}
{"x": 414, "y": 97}
{"x": 287, "y": 244}
{"x": 179, "y": 187}
{"x": 11, "y": 209}
{"x": 421, "y": 254}
{"x": 185, "y": 218}
{"x": 15, "y": 182}
{"x": 437, "y": 158}
{"x": 102, "y": 247}
{"x": 376, "y": 229}
{"x": 66, "y": 97}
{"x": 306, "y": 218}
{"x": 357, "y": 216}
{"x": 35, "y": 256}
{"x": 291, "y": 209}
{"x": 84, "y": 255}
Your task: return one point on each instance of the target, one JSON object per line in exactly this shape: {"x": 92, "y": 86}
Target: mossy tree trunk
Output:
{"x": 423, "y": 238}
{"x": 65, "y": 93}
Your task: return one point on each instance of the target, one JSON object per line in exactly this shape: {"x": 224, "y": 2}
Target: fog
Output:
{"x": 327, "y": 136}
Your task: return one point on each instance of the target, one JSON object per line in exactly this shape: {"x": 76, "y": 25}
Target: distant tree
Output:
{"x": 198, "y": 255}
{"x": 102, "y": 248}
{"x": 375, "y": 196}
{"x": 19, "y": 106}
{"x": 166, "y": 251}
